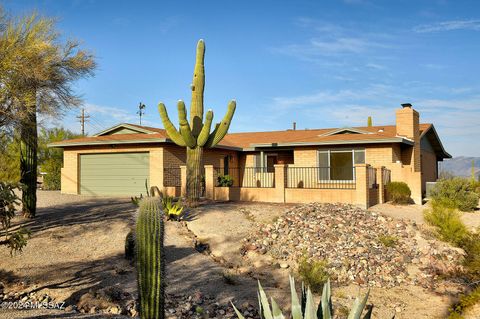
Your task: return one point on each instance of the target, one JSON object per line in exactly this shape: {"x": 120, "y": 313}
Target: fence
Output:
{"x": 172, "y": 177}
{"x": 320, "y": 177}
{"x": 260, "y": 177}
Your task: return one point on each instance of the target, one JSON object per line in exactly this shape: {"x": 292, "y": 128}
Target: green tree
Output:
{"x": 37, "y": 71}
{"x": 9, "y": 158}
{"x": 50, "y": 160}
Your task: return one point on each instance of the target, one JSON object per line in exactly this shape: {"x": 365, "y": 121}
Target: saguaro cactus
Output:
{"x": 150, "y": 259}
{"x": 196, "y": 135}
{"x": 28, "y": 163}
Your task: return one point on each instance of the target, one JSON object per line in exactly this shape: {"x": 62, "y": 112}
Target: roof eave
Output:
{"x": 432, "y": 128}
{"x": 88, "y": 143}
{"x": 126, "y": 125}
{"x": 346, "y": 142}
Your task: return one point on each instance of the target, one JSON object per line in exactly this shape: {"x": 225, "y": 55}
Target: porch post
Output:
{"x": 183, "y": 179}
{"x": 279, "y": 183}
{"x": 361, "y": 187}
{"x": 209, "y": 182}
{"x": 381, "y": 184}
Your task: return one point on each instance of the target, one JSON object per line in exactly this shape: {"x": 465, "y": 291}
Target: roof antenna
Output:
{"x": 140, "y": 112}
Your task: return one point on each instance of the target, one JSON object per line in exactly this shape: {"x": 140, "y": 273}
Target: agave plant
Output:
{"x": 172, "y": 210}
{"x": 306, "y": 309}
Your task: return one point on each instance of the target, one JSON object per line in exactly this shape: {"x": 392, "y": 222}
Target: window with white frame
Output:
{"x": 338, "y": 164}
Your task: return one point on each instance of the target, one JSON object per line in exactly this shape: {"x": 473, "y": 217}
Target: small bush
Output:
{"x": 225, "y": 181}
{"x": 471, "y": 246}
{"x": 230, "y": 277}
{"x": 448, "y": 225}
{"x": 399, "y": 193}
{"x": 388, "y": 241}
{"x": 314, "y": 273}
{"x": 455, "y": 193}
{"x": 466, "y": 301}
{"x": 8, "y": 200}
{"x": 18, "y": 240}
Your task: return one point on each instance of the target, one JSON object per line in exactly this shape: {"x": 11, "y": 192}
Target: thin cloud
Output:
{"x": 434, "y": 66}
{"x": 448, "y": 26}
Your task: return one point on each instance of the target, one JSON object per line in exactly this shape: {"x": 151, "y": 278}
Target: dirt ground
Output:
{"x": 77, "y": 245}
{"x": 415, "y": 213}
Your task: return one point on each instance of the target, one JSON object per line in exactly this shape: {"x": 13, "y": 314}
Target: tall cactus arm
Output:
{"x": 221, "y": 128}
{"x": 205, "y": 132}
{"x": 185, "y": 130}
{"x": 198, "y": 86}
{"x": 174, "y": 135}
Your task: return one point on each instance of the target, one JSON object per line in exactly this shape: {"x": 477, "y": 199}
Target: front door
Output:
{"x": 271, "y": 161}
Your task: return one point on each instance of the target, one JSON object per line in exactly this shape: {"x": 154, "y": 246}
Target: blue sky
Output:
{"x": 318, "y": 63}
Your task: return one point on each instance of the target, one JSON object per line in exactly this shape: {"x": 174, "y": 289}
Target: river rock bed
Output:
{"x": 360, "y": 246}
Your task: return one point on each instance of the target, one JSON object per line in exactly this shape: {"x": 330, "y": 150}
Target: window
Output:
{"x": 226, "y": 165}
{"x": 339, "y": 164}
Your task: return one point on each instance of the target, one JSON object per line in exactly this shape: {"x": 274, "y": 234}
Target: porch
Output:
{"x": 361, "y": 185}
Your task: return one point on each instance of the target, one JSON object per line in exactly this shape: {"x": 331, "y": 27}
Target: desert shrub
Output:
{"x": 471, "y": 262}
{"x": 130, "y": 246}
{"x": 388, "y": 241}
{"x": 229, "y": 277}
{"x": 466, "y": 301}
{"x": 8, "y": 200}
{"x": 51, "y": 180}
{"x": 455, "y": 193}
{"x": 314, "y": 273}
{"x": 225, "y": 181}
{"x": 399, "y": 193}
{"x": 447, "y": 222}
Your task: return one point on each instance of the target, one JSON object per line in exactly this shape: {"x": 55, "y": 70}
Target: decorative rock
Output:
{"x": 284, "y": 265}
{"x": 359, "y": 246}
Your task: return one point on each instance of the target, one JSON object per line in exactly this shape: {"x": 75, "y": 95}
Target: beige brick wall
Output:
{"x": 429, "y": 167}
{"x": 71, "y": 170}
{"x": 175, "y": 156}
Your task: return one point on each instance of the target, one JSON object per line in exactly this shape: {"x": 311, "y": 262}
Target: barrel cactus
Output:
{"x": 195, "y": 135}
{"x": 150, "y": 258}
{"x": 306, "y": 309}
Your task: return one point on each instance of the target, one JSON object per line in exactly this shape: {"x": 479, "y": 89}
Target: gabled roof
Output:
{"x": 130, "y": 127}
{"x": 434, "y": 139}
{"x": 254, "y": 140}
{"x": 345, "y": 130}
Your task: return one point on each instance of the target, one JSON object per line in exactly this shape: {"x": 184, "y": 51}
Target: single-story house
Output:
{"x": 302, "y": 165}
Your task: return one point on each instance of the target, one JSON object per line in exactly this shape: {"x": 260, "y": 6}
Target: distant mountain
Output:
{"x": 461, "y": 166}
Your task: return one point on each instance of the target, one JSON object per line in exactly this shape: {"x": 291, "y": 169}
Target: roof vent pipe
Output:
{"x": 294, "y": 126}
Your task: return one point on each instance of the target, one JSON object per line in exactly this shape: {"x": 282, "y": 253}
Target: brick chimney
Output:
{"x": 407, "y": 125}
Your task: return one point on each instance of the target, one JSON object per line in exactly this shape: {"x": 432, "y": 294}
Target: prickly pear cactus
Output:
{"x": 195, "y": 135}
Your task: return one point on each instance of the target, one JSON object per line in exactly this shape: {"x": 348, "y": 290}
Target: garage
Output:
{"x": 117, "y": 174}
